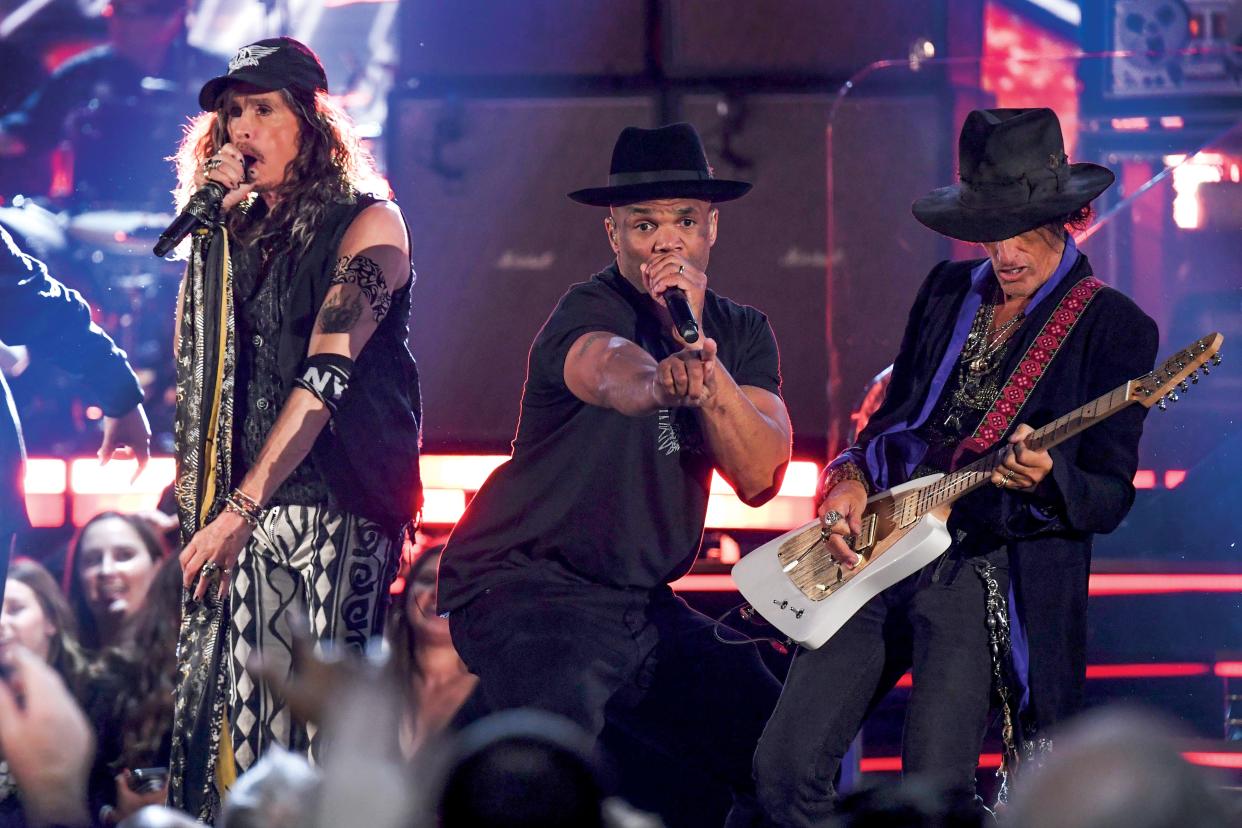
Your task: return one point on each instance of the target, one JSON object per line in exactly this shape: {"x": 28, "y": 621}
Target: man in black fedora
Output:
{"x": 556, "y": 578}
{"x": 992, "y": 347}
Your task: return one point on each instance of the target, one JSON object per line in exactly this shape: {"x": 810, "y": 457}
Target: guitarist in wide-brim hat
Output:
{"x": 993, "y": 347}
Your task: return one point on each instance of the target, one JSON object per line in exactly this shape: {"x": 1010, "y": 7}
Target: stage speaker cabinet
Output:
{"x": 486, "y": 38}
{"x": 496, "y": 242}
{"x": 886, "y": 151}
{"x": 1173, "y": 56}
{"x": 771, "y": 247}
{"x": 795, "y": 37}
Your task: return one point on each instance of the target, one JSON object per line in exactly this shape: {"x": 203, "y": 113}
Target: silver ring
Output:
{"x": 681, "y": 269}
{"x": 211, "y": 163}
{"x": 832, "y": 517}
{"x": 1005, "y": 480}
{"x": 208, "y": 568}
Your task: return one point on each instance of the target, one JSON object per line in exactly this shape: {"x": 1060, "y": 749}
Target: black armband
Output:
{"x": 327, "y": 377}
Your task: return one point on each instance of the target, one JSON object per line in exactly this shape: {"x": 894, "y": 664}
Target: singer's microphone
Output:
{"x": 683, "y": 317}
{"x": 202, "y": 210}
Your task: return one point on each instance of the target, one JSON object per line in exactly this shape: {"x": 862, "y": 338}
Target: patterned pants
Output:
{"x": 328, "y": 570}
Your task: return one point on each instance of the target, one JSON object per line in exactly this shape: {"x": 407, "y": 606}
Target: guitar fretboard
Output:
{"x": 968, "y": 478}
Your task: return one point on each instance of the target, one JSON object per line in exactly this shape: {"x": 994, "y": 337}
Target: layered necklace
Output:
{"x": 984, "y": 351}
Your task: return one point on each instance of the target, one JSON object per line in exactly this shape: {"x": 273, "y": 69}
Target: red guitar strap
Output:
{"x": 1009, "y": 402}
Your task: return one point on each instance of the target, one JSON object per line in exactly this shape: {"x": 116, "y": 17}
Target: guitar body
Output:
{"x": 794, "y": 585}
{"x": 793, "y": 582}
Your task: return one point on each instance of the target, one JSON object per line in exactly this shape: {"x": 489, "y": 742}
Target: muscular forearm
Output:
{"x": 751, "y": 448}
{"x": 290, "y": 440}
{"x": 615, "y": 373}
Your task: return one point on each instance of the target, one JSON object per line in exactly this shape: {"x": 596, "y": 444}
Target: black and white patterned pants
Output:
{"x": 326, "y": 568}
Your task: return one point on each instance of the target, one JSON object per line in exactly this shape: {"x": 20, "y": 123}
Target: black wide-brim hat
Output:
{"x": 1014, "y": 177}
{"x": 275, "y": 63}
{"x": 667, "y": 162}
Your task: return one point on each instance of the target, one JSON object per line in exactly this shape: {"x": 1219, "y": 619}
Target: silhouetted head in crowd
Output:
{"x": 1118, "y": 767}
{"x": 110, "y": 567}
{"x": 280, "y": 791}
{"x": 522, "y": 769}
{"x": 36, "y": 616}
{"x": 914, "y": 802}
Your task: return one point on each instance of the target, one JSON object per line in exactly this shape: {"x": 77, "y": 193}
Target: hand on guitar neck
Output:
{"x": 1023, "y": 467}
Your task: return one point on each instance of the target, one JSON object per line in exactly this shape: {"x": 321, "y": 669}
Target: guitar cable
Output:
{"x": 747, "y": 613}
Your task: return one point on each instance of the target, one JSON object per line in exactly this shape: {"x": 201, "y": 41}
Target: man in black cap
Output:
{"x": 1022, "y": 336}
{"x": 556, "y": 578}
{"x": 298, "y": 404}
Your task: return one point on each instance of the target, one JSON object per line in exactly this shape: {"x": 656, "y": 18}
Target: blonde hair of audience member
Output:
{"x": 110, "y": 566}
{"x": 434, "y": 680}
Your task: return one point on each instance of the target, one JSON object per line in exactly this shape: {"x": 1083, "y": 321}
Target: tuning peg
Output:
{"x": 1216, "y": 359}
{"x": 1185, "y": 387}
{"x": 1194, "y": 377}
{"x": 1173, "y": 396}
{"x": 1206, "y": 370}
{"x": 1163, "y": 404}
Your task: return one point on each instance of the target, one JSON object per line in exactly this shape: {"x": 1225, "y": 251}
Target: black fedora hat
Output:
{"x": 667, "y": 162}
{"x": 1014, "y": 177}
{"x": 275, "y": 63}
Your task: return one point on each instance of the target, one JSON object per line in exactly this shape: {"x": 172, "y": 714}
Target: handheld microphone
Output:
{"x": 201, "y": 211}
{"x": 683, "y": 317}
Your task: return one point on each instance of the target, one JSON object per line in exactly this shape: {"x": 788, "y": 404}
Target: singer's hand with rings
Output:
{"x": 228, "y": 169}
{"x": 666, "y": 270}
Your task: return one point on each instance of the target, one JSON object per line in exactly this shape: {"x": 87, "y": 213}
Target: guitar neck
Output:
{"x": 968, "y": 478}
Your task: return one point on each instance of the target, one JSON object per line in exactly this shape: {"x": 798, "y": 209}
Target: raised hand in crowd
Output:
{"x": 46, "y": 740}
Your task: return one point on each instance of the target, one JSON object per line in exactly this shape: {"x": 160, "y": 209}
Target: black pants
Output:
{"x": 932, "y": 622}
{"x": 641, "y": 661}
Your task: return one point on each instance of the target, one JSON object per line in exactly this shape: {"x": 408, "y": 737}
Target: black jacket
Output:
{"x": 55, "y": 322}
{"x": 1091, "y": 486}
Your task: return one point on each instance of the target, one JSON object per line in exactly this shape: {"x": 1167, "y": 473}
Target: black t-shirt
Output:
{"x": 591, "y": 495}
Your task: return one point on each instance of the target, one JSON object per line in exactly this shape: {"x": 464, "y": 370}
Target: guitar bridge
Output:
{"x": 805, "y": 559}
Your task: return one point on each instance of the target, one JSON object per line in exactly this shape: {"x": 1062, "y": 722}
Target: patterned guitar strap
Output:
{"x": 994, "y": 427}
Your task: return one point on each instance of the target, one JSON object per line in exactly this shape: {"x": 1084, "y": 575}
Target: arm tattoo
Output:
{"x": 369, "y": 277}
{"x": 340, "y": 311}
{"x": 590, "y": 339}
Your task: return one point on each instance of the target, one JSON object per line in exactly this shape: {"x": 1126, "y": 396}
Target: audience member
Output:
{"x": 46, "y": 743}
{"x": 109, "y": 569}
{"x": 1118, "y": 767}
{"x": 134, "y": 717}
{"x": 438, "y": 691}
{"x": 278, "y": 792}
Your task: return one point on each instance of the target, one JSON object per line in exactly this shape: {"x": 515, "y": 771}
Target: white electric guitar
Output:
{"x": 797, "y": 587}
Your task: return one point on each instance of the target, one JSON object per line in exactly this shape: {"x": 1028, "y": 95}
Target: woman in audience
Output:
{"x": 109, "y": 569}
{"x": 139, "y": 673}
{"x": 35, "y": 616}
{"x": 438, "y": 689}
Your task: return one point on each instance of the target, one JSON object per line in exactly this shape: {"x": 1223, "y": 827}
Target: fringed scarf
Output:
{"x": 201, "y": 764}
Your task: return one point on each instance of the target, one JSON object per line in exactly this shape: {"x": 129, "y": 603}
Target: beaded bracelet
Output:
{"x": 244, "y": 505}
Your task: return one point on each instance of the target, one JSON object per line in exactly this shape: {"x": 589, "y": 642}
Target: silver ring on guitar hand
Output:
{"x": 212, "y": 163}
{"x": 681, "y": 269}
{"x": 832, "y": 518}
{"x": 208, "y": 569}
{"x": 1005, "y": 480}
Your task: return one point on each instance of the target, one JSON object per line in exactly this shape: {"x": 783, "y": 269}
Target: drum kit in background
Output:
{"x": 106, "y": 255}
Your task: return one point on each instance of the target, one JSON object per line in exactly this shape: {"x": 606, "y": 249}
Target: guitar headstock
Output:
{"x": 1177, "y": 373}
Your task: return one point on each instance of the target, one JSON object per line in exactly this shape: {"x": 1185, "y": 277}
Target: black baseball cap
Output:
{"x": 275, "y": 63}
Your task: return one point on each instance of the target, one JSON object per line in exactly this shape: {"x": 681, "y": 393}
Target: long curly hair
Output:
{"x": 142, "y": 670}
{"x": 331, "y": 167}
